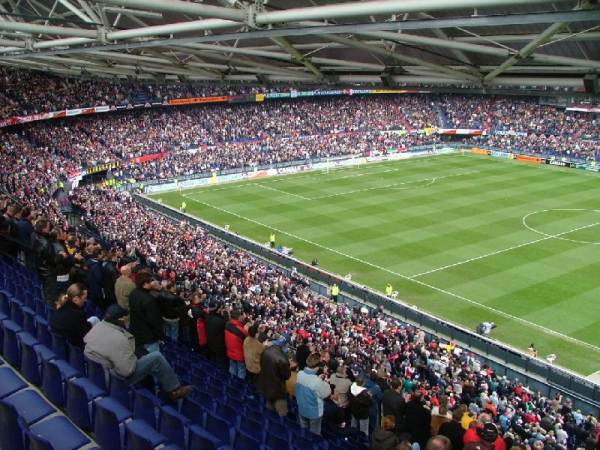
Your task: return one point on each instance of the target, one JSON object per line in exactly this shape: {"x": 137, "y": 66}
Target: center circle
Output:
{"x": 560, "y": 235}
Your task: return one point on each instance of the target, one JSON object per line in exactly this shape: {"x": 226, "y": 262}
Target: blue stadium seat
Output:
{"x": 42, "y": 332}
{"x": 30, "y": 406}
{"x": 16, "y": 312}
{"x": 29, "y": 320}
{"x": 11, "y": 435}
{"x": 145, "y": 406}
{"x": 76, "y": 358}
{"x": 199, "y": 438}
{"x": 227, "y": 412}
{"x": 96, "y": 373}
{"x": 120, "y": 389}
{"x": 54, "y": 380}
{"x": 4, "y": 304}
{"x": 10, "y": 382}
{"x": 276, "y": 428}
{"x": 251, "y": 427}
{"x": 59, "y": 432}
{"x": 10, "y": 345}
{"x": 219, "y": 428}
{"x": 81, "y": 393}
{"x": 109, "y": 423}
{"x": 30, "y": 361}
{"x": 275, "y": 442}
{"x": 59, "y": 345}
{"x": 141, "y": 436}
{"x": 245, "y": 442}
{"x": 193, "y": 410}
{"x": 173, "y": 425}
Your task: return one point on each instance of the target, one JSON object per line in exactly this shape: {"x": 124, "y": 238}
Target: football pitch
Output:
{"x": 466, "y": 238}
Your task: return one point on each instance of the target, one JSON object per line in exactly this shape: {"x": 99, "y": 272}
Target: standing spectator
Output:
{"x": 43, "y": 251}
{"x": 440, "y": 415}
{"x": 302, "y": 353}
{"x": 385, "y": 438}
{"x": 109, "y": 344}
{"x": 171, "y": 306}
{"x": 63, "y": 261}
{"x": 341, "y": 387}
{"x": 290, "y": 384}
{"x": 215, "y": 335}
{"x": 253, "y": 349}
{"x": 95, "y": 276}
{"x": 69, "y": 320}
{"x": 393, "y": 403}
{"x": 360, "y": 405}
{"x": 453, "y": 430}
{"x": 235, "y": 334}
{"x": 372, "y": 385}
{"x": 144, "y": 314}
{"x": 274, "y": 372}
{"x": 198, "y": 315}
{"x": 418, "y": 419}
{"x": 311, "y": 390}
{"x": 124, "y": 286}
{"x": 25, "y": 226}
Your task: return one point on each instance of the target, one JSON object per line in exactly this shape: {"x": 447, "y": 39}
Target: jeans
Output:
{"x": 156, "y": 365}
{"x": 171, "y": 328}
{"x": 152, "y": 348}
{"x": 237, "y": 369}
{"x": 314, "y": 425}
{"x": 363, "y": 424}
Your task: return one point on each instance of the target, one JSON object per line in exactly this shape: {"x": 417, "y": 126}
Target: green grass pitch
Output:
{"x": 466, "y": 238}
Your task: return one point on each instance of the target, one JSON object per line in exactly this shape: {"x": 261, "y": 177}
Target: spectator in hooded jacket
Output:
{"x": 360, "y": 405}
{"x": 274, "y": 372}
{"x": 235, "y": 334}
{"x": 311, "y": 390}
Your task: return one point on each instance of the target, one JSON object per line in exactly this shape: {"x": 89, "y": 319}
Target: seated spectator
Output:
{"x": 69, "y": 320}
{"x": 109, "y": 344}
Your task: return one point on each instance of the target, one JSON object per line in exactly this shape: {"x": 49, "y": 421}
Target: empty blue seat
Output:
{"x": 29, "y": 320}
{"x": 42, "y": 332}
{"x": 276, "y": 428}
{"x": 30, "y": 363}
{"x": 81, "y": 393}
{"x": 76, "y": 358}
{"x": 200, "y": 438}
{"x": 109, "y": 423}
{"x": 11, "y": 436}
{"x": 145, "y": 406}
{"x": 251, "y": 427}
{"x": 54, "y": 380}
{"x": 227, "y": 412}
{"x": 275, "y": 442}
{"x": 245, "y": 442}
{"x": 59, "y": 432}
{"x": 219, "y": 428}
{"x": 59, "y": 345}
{"x": 4, "y": 304}
{"x": 173, "y": 425}
{"x": 193, "y": 410}
{"x": 96, "y": 373}
{"x": 10, "y": 345}
{"x": 30, "y": 406}
{"x": 120, "y": 389}
{"x": 16, "y": 312}
{"x": 10, "y": 382}
{"x": 141, "y": 436}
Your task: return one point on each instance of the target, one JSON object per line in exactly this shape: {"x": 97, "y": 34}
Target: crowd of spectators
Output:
{"x": 375, "y": 363}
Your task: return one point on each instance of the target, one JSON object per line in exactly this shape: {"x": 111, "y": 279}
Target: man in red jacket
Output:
{"x": 235, "y": 333}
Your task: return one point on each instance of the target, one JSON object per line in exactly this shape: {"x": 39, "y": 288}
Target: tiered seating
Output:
{"x": 221, "y": 413}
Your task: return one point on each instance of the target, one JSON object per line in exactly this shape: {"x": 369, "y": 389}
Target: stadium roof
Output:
{"x": 468, "y": 43}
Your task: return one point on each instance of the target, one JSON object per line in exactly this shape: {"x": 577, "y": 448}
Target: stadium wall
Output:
{"x": 505, "y": 360}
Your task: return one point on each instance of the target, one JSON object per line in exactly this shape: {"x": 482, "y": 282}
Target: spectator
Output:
{"x": 109, "y": 344}
{"x": 253, "y": 349}
{"x": 144, "y": 314}
{"x": 393, "y": 403}
{"x": 69, "y": 320}
{"x": 124, "y": 286}
{"x": 95, "y": 276}
{"x": 215, "y": 335}
{"x": 360, "y": 405}
{"x": 439, "y": 443}
{"x": 235, "y": 334}
{"x": 341, "y": 388}
{"x": 440, "y": 415}
{"x": 274, "y": 372}
{"x": 311, "y": 390}
{"x": 418, "y": 419}
{"x": 171, "y": 306}
{"x": 385, "y": 438}
{"x": 302, "y": 353}
{"x": 453, "y": 429}
{"x": 43, "y": 250}
{"x": 290, "y": 384}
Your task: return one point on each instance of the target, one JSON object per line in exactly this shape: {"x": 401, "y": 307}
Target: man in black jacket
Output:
{"x": 453, "y": 430}
{"x": 418, "y": 420}
{"x": 144, "y": 313}
{"x": 393, "y": 403}
{"x": 43, "y": 251}
{"x": 215, "y": 335}
{"x": 274, "y": 372}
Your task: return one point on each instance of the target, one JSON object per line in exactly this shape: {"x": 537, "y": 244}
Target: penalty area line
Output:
{"x": 419, "y": 282}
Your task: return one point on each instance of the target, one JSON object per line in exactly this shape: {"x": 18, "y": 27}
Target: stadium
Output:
{"x": 304, "y": 225}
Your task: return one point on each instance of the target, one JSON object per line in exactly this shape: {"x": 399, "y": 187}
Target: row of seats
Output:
{"x": 222, "y": 412}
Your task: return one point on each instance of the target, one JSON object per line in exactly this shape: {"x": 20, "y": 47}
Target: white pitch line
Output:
{"x": 302, "y": 197}
{"x": 504, "y": 250}
{"x": 389, "y": 186}
{"x": 421, "y": 283}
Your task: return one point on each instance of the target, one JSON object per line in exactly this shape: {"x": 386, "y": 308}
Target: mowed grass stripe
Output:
{"x": 400, "y": 232}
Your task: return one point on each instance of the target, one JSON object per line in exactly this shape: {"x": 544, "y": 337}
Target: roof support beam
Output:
{"x": 67, "y": 4}
{"x": 178, "y": 6}
{"x": 509, "y": 38}
{"x": 47, "y": 29}
{"x": 402, "y": 58}
{"x": 297, "y": 56}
